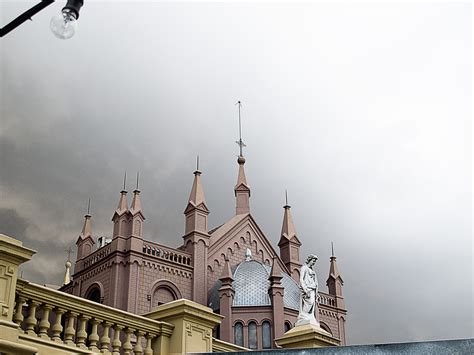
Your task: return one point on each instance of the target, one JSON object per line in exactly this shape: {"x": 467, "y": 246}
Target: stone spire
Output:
{"x": 136, "y": 212}
{"x": 288, "y": 230}
{"x": 289, "y": 243}
{"x": 86, "y": 227}
{"x": 122, "y": 205}
{"x": 334, "y": 281}
{"x": 85, "y": 243}
{"x": 136, "y": 205}
{"x": 241, "y": 189}
{"x": 196, "y": 211}
{"x": 122, "y": 215}
{"x": 196, "y": 197}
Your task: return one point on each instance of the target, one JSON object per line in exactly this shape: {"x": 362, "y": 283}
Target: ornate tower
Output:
{"x": 289, "y": 244}
{"x": 226, "y": 299}
{"x": 196, "y": 237}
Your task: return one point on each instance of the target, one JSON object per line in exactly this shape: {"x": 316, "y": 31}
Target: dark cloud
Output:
{"x": 361, "y": 112}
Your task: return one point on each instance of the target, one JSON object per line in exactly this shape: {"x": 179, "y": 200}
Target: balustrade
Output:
{"x": 61, "y": 318}
{"x": 162, "y": 252}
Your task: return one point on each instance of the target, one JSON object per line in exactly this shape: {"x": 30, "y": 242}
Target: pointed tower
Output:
{"x": 226, "y": 299}
{"x": 241, "y": 189}
{"x": 289, "y": 243}
{"x": 196, "y": 237}
{"x": 137, "y": 213}
{"x": 122, "y": 215}
{"x": 277, "y": 292}
{"x": 85, "y": 243}
{"x": 334, "y": 281}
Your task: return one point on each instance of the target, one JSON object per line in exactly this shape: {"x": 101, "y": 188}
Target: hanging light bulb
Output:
{"x": 64, "y": 25}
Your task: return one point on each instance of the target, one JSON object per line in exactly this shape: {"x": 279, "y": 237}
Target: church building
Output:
{"x": 232, "y": 269}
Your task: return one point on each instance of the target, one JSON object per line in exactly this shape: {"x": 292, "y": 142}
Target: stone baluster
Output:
{"x": 31, "y": 321}
{"x": 70, "y": 331}
{"x": 43, "y": 325}
{"x": 105, "y": 339}
{"x": 57, "y": 327}
{"x": 81, "y": 335}
{"x": 116, "y": 343}
{"x": 138, "y": 349}
{"x": 18, "y": 317}
{"x": 127, "y": 345}
{"x": 94, "y": 336}
{"x": 148, "y": 349}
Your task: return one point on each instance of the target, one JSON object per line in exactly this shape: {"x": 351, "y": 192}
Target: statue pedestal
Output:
{"x": 306, "y": 336}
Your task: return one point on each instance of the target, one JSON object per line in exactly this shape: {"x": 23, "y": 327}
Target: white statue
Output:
{"x": 309, "y": 292}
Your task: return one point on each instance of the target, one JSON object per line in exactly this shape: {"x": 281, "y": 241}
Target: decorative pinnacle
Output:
{"x": 89, "y": 207}
{"x": 332, "y": 250}
{"x": 138, "y": 177}
{"x": 197, "y": 165}
{"x": 240, "y": 143}
{"x": 124, "y": 180}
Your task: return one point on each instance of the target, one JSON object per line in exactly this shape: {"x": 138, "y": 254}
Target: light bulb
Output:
{"x": 64, "y": 25}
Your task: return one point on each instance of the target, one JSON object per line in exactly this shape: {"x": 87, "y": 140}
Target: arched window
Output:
{"x": 163, "y": 295}
{"x": 239, "y": 334}
{"x": 252, "y": 335}
{"x": 93, "y": 294}
{"x": 287, "y": 326}
{"x": 266, "y": 335}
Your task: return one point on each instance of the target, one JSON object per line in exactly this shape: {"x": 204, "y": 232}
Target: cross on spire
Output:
{"x": 69, "y": 252}
{"x": 240, "y": 143}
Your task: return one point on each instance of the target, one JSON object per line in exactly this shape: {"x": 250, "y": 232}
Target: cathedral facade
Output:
{"x": 232, "y": 268}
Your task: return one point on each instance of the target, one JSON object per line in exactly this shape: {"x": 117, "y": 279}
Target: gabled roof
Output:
{"x": 223, "y": 234}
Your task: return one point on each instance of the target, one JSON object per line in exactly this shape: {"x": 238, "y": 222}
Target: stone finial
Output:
{"x": 67, "y": 273}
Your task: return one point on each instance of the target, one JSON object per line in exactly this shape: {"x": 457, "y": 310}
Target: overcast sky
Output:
{"x": 363, "y": 112}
